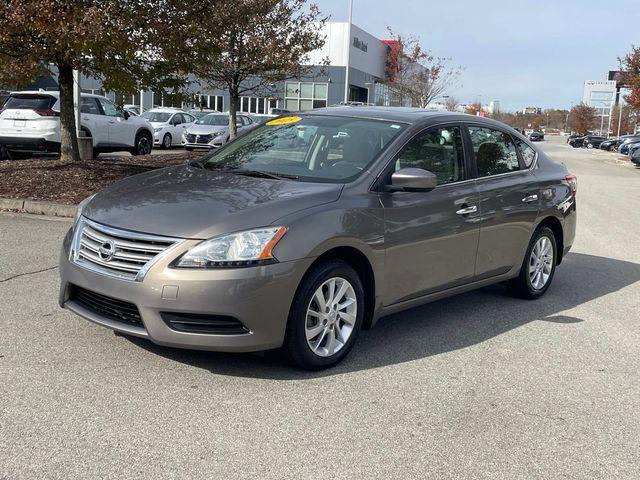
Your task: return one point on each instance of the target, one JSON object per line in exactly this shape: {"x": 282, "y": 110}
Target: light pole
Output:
{"x": 346, "y": 73}
{"x": 368, "y": 85}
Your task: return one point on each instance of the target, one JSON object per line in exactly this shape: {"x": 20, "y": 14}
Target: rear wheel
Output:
{"x": 538, "y": 267}
{"x": 326, "y": 316}
{"x": 143, "y": 144}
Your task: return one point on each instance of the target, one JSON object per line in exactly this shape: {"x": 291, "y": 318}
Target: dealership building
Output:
{"x": 349, "y": 54}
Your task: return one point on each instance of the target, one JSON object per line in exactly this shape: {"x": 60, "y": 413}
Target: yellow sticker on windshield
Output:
{"x": 284, "y": 120}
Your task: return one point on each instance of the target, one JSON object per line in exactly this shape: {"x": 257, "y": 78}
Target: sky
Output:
{"x": 521, "y": 53}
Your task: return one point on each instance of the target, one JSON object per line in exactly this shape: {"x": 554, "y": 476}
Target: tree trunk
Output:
{"x": 233, "y": 108}
{"x": 68, "y": 137}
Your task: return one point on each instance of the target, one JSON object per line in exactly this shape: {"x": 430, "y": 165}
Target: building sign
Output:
{"x": 616, "y": 75}
{"x": 360, "y": 45}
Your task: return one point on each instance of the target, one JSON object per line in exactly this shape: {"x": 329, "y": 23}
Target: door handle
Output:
{"x": 530, "y": 198}
{"x": 467, "y": 210}
{"x": 112, "y": 122}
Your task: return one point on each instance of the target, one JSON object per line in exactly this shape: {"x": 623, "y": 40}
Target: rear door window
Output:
{"x": 527, "y": 153}
{"x": 495, "y": 152}
{"x": 90, "y": 106}
{"x": 30, "y": 102}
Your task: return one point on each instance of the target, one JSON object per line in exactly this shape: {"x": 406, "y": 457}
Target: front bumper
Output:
{"x": 259, "y": 297}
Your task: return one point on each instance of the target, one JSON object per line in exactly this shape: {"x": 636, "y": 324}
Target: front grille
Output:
{"x": 119, "y": 253}
{"x": 190, "y": 137}
{"x": 202, "y": 323}
{"x": 203, "y": 138}
{"x": 106, "y": 307}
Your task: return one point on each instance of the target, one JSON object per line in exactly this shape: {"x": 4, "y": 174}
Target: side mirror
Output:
{"x": 413, "y": 180}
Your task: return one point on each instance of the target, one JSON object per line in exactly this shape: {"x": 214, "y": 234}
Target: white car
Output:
{"x": 30, "y": 122}
{"x": 212, "y": 131}
{"x": 169, "y": 124}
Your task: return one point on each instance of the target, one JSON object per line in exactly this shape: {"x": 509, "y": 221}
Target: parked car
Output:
{"x": 134, "y": 109}
{"x": 30, "y": 122}
{"x": 536, "y": 136}
{"x": 573, "y": 136}
{"x": 169, "y": 124}
{"x": 632, "y": 148}
{"x": 592, "y": 141}
{"x": 610, "y": 145}
{"x": 199, "y": 113}
{"x": 624, "y": 146}
{"x": 274, "y": 242}
{"x": 577, "y": 141}
{"x": 212, "y": 131}
{"x": 635, "y": 156}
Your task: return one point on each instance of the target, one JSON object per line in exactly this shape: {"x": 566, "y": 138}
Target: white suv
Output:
{"x": 169, "y": 124}
{"x": 30, "y": 122}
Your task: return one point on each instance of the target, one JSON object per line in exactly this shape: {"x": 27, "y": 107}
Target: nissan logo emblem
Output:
{"x": 107, "y": 250}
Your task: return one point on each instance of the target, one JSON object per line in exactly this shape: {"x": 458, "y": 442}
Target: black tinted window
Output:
{"x": 494, "y": 151}
{"x": 30, "y": 102}
{"x": 437, "y": 150}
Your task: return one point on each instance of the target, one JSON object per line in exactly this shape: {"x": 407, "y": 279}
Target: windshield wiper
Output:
{"x": 264, "y": 174}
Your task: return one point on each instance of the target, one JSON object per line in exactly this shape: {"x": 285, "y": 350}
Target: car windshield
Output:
{"x": 159, "y": 117}
{"x": 312, "y": 148}
{"x": 219, "y": 120}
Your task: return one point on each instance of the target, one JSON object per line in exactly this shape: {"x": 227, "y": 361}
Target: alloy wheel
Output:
{"x": 331, "y": 317}
{"x": 144, "y": 146}
{"x": 166, "y": 141}
{"x": 541, "y": 263}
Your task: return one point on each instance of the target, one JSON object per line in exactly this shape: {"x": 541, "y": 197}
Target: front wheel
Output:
{"x": 589, "y": 146}
{"x": 538, "y": 267}
{"x": 167, "y": 141}
{"x": 325, "y": 317}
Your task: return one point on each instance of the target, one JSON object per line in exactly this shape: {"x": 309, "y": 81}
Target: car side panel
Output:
{"x": 506, "y": 221}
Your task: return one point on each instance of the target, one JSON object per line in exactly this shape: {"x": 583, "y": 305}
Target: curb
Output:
{"x": 38, "y": 207}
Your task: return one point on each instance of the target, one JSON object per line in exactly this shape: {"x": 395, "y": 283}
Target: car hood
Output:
{"x": 190, "y": 202}
{"x": 158, "y": 124}
{"x": 205, "y": 129}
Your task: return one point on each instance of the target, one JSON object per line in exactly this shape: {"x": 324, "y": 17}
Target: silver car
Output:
{"x": 212, "y": 131}
{"x": 313, "y": 226}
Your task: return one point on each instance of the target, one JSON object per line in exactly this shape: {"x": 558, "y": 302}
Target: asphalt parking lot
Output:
{"x": 476, "y": 386}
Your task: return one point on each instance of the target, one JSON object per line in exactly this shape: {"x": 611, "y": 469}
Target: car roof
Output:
{"x": 400, "y": 114}
{"x": 53, "y": 93}
{"x": 167, "y": 110}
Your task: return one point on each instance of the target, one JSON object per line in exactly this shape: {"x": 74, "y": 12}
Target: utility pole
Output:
{"x": 346, "y": 73}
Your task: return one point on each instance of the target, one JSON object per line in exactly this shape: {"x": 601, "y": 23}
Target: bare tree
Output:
{"x": 451, "y": 104}
{"x": 261, "y": 42}
{"x": 473, "y": 109}
{"x": 582, "y": 118}
{"x": 630, "y": 66}
{"x": 415, "y": 75}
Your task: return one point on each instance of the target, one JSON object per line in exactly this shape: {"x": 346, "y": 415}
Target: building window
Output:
{"x": 253, "y": 104}
{"x": 305, "y": 95}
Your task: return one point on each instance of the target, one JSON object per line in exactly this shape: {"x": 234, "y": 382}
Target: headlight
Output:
{"x": 80, "y": 208}
{"x": 252, "y": 247}
{"x": 157, "y": 129}
{"x": 219, "y": 133}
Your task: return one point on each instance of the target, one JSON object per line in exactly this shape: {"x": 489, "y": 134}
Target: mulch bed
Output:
{"x": 50, "y": 179}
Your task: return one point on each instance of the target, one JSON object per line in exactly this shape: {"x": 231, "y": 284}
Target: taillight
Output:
{"x": 572, "y": 181}
{"x": 47, "y": 112}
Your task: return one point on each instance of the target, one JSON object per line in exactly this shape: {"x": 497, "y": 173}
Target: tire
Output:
{"x": 589, "y": 146}
{"x": 523, "y": 285}
{"x": 167, "y": 141}
{"x": 315, "y": 353}
{"x": 143, "y": 145}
